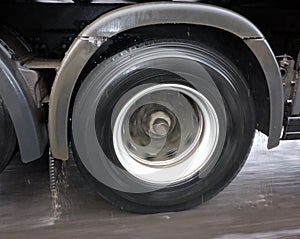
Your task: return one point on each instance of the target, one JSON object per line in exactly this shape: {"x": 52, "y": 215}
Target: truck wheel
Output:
{"x": 7, "y": 137}
{"x": 162, "y": 126}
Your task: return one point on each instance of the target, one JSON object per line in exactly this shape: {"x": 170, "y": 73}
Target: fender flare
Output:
{"x": 137, "y": 15}
{"x": 31, "y": 133}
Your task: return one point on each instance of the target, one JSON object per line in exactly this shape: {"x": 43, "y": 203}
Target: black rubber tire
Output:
{"x": 240, "y": 128}
{"x": 7, "y": 137}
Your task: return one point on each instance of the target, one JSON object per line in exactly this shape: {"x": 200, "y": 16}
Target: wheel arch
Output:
{"x": 30, "y": 131}
{"x": 117, "y": 21}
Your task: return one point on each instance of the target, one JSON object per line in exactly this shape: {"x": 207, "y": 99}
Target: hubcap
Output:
{"x": 165, "y": 133}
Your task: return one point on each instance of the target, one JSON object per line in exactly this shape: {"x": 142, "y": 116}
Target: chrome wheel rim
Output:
{"x": 165, "y": 133}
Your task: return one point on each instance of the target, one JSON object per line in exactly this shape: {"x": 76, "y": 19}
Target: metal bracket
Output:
{"x": 290, "y": 78}
{"x": 296, "y": 105}
{"x": 290, "y": 81}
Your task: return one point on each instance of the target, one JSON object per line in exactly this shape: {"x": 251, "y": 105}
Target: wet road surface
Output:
{"x": 262, "y": 202}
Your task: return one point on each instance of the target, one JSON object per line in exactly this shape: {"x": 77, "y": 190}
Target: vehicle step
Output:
{"x": 292, "y": 128}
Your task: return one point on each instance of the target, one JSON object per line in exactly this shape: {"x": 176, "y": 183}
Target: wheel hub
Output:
{"x": 159, "y": 124}
{"x": 162, "y": 127}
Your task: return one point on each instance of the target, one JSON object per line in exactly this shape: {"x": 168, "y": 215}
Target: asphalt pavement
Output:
{"x": 262, "y": 202}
